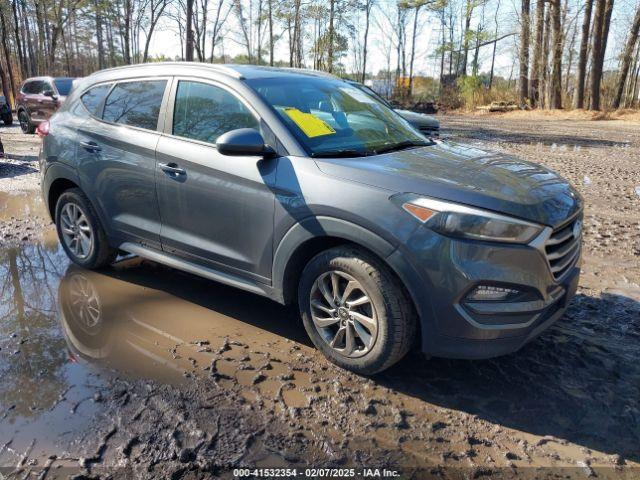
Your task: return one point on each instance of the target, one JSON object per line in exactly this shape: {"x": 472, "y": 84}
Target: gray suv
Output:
{"x": 309, "y": 191}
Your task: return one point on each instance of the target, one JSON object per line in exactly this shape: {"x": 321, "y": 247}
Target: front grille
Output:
{"x": 563, "y": 247}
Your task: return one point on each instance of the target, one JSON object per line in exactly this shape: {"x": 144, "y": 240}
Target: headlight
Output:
{"x": 467, "y": 222}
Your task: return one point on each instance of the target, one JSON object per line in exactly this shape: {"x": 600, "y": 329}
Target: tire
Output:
{"x": 394, "y": 318}
{"x": 93, "y": 253}
{"x": 25, "y": 122}
{"x": 7, "y": 119}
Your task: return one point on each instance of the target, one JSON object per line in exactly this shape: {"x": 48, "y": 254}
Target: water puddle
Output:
{"x": 64, "y": 331}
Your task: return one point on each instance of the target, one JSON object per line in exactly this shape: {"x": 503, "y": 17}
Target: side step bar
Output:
{"x": 179, "y": 264}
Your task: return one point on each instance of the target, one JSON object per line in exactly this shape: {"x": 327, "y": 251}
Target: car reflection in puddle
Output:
{"x": 126, "y": 319}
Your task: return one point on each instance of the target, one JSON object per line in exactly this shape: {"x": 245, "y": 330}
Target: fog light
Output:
{"x": 491, "y": 293}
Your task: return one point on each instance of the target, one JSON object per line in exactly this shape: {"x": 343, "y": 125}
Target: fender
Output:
{"x": 56, "y": 170}
{"x": 314, "y": 227}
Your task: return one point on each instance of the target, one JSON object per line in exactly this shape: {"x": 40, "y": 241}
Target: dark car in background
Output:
{"x": 5, "y": 111}
{"x": 309, "y": 191}
{"x": 427, "y": 124}
{"x": 39, "y": 98}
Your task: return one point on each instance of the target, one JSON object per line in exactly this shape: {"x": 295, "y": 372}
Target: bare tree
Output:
{"x": 189, "y": 42}
{"x": 556, "y": 64}
{"x": 537, "y": 64}
{"x": 523, "y": 91}
{"x": 632, "y": 39}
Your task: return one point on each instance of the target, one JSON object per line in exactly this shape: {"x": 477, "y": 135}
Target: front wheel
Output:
{"x": 355, "y": 311}
{"x": 80, "y": 232}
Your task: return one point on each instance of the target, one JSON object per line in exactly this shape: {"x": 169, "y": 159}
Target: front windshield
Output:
{"x": 331, "y": 117}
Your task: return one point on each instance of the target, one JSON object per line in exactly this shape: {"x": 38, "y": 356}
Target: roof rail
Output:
{"x": 214, "y": 66}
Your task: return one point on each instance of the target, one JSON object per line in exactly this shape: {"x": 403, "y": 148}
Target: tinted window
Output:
{"x": 92, "y": 98}
{"x": 63, "y": 85}
{"x": 135, "y": 103}
{"x": 34, "y": 86}
{"x": 204, "y": 112}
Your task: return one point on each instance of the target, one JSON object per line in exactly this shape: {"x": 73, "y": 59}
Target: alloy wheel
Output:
{"x": 343, "y": 314}
{"x": 76, "y": 231}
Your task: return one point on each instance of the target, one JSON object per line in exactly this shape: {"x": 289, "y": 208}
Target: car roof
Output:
{"x": 231, "y": 70}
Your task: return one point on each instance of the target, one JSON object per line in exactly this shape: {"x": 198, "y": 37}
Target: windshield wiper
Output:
{"x": 347, "y": 153}
{"x": 402, "y": 146}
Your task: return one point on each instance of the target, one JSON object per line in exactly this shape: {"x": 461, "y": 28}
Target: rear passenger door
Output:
{"x": 116, "y": 158}
{"x": 216, "y": 210}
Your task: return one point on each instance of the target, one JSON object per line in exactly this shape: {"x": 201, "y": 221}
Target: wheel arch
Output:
{"x": 311, "y": 236}
{"x": 58, "y": 178}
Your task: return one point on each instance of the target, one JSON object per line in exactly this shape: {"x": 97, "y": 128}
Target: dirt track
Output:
{"x": 178, "y": 376}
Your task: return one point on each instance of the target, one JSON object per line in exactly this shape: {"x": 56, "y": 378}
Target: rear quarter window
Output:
{"x": 92, "y": 99}
{"x": 135, "y": 103}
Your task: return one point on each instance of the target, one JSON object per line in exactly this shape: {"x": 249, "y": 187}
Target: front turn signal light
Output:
{"x": 421, "y": 213}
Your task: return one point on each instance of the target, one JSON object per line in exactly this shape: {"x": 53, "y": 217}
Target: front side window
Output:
{"x": 204, "y": 112}
{"x": 331, "y": 117}
{"x": 135, "y": 103}
{"x": 92, "y": 98}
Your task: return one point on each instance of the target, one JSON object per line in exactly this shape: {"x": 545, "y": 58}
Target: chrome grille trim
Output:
{"x": 562, "y": 247}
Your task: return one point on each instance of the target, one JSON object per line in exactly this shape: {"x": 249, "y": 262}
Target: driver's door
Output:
{"x": 215, "y": 210}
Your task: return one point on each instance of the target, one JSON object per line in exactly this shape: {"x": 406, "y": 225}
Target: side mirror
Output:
{"x": 243, "y": 142}
{"x": 49, "y": 93}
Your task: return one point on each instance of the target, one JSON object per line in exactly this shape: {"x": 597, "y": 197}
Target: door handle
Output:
{"x": 90, "y": 146}
{"x": 172, "y": 168}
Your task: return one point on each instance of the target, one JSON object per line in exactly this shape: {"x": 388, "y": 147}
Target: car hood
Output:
{"x": 419, "y": 119}
{"x": 463, "y": 174}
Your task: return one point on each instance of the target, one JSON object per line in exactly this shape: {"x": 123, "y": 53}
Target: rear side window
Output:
{"x": 35, "y": 86}
{"x": 92, "y": 98}
{"x": 204, "y": 112}
{"x": 135, "y": 103}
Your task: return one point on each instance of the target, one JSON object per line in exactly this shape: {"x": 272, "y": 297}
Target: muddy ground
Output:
{"x": 141, "y": 371}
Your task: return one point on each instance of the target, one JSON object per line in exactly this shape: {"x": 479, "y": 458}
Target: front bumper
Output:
{"x": 448, "y": 269}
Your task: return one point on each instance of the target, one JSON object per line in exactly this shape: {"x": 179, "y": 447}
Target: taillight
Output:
{"x": 43, "y": 129}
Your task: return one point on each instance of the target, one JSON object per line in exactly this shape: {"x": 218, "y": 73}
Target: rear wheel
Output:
{"x": 25, "y": 122}
{"x": 355, "y": 310}
{"x": 80, "y": 232}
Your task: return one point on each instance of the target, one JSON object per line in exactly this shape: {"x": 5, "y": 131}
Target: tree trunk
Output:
{"x": 556, "y": 70}
{"x": 582, "y": 59}
{"x": 367, "y": 14}
{"x": 544, "y": 89}
{"x": 523, "y": 82}
{"x": 189, "y": 44}
{"x": 331, "y": 35}
{"x": 271, "y": 32}
{"x": 413, "y": 47}
{"x": 626, "y": 59}
{"x": 467, "y": 29}
{"x": 126, "y": 34}
{"x": 536, "y": 69}
{"x": 596, "y": 54}
{"x": 98, "y": 12}
{"x": 16, "y": 27}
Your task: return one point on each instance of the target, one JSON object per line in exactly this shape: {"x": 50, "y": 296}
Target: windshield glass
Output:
{"x": 63, "y": 85}
{"x": 331, "y": 117}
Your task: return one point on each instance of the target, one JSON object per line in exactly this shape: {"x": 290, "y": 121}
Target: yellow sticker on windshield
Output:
{"x": 311, "y": 125}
